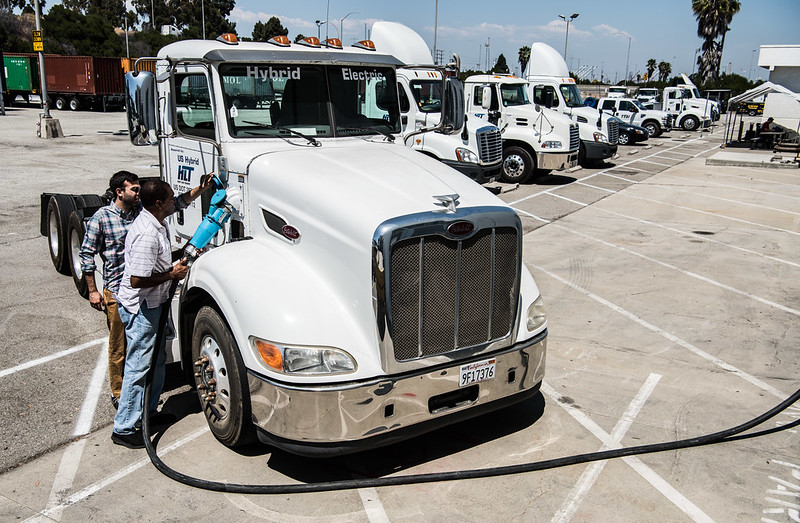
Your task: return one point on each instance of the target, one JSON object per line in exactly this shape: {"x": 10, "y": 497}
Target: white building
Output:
{"x": 783, "y": 63}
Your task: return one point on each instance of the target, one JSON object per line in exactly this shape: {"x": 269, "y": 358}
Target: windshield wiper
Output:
{"x": 370, "y": 130}
{"x": 310, "y": 139}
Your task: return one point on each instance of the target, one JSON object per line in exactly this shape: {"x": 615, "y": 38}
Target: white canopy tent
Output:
{"x": 752, "y": 94}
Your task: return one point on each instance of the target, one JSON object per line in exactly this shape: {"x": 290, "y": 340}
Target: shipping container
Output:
{"x": 75, "y": 81}
{"x": 21, "y": 75}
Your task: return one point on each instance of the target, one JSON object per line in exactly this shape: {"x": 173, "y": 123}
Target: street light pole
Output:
{"x": 203, "y": 15}
{"x": 566, "y": 39}
{"x": 628, "y": 60}
{"x": 319, "y": 23}
{"x": 341, "y": 25}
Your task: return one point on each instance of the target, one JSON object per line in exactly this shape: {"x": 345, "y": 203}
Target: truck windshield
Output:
{"x": 428, "y": 94}
{"x": 571, "y": 95}
{"x": 514, "y": 94}
{"x": 274, "y": 100}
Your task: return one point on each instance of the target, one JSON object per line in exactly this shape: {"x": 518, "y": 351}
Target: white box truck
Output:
{"x": 361, "y": 292}
{"x": 551, "y": 86}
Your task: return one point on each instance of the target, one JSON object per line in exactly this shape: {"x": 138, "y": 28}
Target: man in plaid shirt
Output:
{"x": 105, "y": 235}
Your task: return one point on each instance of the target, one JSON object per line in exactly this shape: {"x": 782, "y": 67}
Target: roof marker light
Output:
{"x": 280, "y": 40}
{"x": 333, "y": 43}
{"x": 228, "y": 38}
{"x": 368, "y": 45}
{"x": 311, "y": 41}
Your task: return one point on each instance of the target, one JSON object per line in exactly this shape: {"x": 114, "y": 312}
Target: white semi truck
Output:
{"x": 475, "y": 149}
{"x": 360, "y": 292}
{"x": 550, "y": 85}
{"x": 536, "y": 140}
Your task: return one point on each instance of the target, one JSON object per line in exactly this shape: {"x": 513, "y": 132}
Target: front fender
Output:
{"x": 266, "y": 291}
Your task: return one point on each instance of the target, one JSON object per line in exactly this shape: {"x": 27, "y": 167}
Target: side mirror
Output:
{"x": 141, "y": 103}
{"x": 486, "y": 97}
{"x": 454, "y": 108}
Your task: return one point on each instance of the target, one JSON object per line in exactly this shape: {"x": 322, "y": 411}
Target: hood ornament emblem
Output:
{"x": 449, "y": 202}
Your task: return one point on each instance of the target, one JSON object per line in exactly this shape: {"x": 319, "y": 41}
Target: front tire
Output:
{"x": 624, "y": 139}
{"x": 690, "y": 123}
{"x": 222, "y": 381}
{"x": 653, "y": 129}
{"x": 518, "y": 165}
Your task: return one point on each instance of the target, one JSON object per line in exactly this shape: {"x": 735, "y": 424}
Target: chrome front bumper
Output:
{"x": 340, "y": 418}
{"x": 556, "y": 161}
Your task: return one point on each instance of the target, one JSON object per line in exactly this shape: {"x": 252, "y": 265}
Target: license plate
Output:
{"x": 475, "y": 372}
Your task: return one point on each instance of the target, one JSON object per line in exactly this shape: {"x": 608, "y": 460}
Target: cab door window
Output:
{"x": 195, "y": 116}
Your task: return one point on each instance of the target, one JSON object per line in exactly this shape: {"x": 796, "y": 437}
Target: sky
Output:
{"x": 665, "y": 30}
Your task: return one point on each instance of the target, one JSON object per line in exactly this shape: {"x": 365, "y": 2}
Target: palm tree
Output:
{"x": 651, "y": 66}
{"x": 713, "y": 18}
{"x": 664, "y": 70}
{"x": 524, "y": 57}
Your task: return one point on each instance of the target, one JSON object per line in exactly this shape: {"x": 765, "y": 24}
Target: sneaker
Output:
{"x": 115, "y": 402}
{"x": 132, "y": 441}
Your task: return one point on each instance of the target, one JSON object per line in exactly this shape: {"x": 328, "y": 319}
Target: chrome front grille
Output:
{"x": 574, "y": 137}
{"x": 490, "y": 144}
{"x": 613, "y": 131}
{"x": 438, "y": 293}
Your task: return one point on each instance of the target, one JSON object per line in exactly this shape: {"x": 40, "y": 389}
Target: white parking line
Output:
{"x": 721, "y": 285}
{"x": 648, "y": 474}
{"x": 735, "y": 187}
{"x": 592, "y": 472}
{"x": 715, "y": 214}
{"x": 655, "y": 163}
{"x": 108, "y": 480}
{"x": 607, "y": 171}
{"x": 51, "y": 357}
{"x": 698, "y": 236}
{"x": 70, "y": 461}
{"x": 728, "y": 200}
{"x": 666, "y": 335}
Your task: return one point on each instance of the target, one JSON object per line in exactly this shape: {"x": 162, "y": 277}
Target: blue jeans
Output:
{"x": 141, "y": 330}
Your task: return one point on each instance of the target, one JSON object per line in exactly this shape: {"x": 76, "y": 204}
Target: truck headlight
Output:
{"x": 553, "y": 144}
{"x": 536, "y": 314}
{"x": 465, "y": 155}
{"x": 600, "y": 137}
{"x": 303, "y": 360}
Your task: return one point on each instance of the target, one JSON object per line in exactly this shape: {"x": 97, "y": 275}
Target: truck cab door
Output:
{"x": 412, "y": 119}
{"x": 191, "y": 151}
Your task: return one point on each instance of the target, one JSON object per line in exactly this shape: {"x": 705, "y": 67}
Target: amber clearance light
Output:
{"x": 228, "y": 38}
{"x": 270, "y": 354}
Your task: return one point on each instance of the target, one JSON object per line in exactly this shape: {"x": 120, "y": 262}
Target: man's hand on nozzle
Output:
{"x": 206, "y": 181}
{"x": 96, "y": 300}
{"x": 179, "y": 270}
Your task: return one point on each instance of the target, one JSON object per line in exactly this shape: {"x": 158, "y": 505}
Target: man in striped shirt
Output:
{"x": 105, "y": 236}
{"x": 144, "y": 288}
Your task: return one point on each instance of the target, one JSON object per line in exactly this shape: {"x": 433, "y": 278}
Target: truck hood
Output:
{"x": 373, "y": 181}
{"x": 336, "y": 196}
